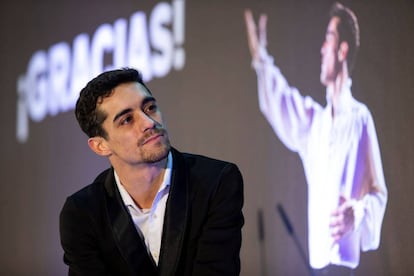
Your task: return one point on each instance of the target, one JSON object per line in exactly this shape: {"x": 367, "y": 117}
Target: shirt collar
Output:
{"x": 344, "y": 99}
{"x": 127, "y": 199}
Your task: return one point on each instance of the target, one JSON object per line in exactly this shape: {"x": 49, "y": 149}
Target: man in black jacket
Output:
{"x": 156, "y": 211}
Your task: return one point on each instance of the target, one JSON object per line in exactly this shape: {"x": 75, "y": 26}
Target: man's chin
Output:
{"x": 158, "y": 154}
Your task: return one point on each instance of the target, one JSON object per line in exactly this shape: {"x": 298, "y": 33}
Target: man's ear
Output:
{"x": 99, "y": 145}
{"x": 343, "y": 51}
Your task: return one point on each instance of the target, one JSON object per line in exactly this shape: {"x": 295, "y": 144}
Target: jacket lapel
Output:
{"x": 175, "y": 220}
{"x": 125, "y": 234}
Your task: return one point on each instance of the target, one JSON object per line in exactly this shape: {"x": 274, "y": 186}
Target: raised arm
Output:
{"x": 287, "y": 111}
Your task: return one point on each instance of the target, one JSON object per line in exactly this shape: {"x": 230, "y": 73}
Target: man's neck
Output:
{"x": 142, "y": 182}
{"x": 336, "y": 87}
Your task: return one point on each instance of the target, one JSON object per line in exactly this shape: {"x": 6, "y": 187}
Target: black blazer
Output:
{"x": 201, "y": 232}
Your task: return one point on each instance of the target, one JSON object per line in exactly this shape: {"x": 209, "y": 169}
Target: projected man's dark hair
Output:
{"x": 348, "y": 30}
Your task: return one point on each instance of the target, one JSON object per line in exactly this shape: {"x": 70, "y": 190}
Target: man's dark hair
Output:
{"x": 348, "y": 30}
{"x": 90, "y": 119}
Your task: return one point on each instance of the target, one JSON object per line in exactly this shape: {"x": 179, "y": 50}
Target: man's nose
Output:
{"x": 146, "y": 122}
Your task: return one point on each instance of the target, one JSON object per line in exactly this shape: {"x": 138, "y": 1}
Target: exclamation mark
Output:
{"x": 178, "y": 29}
{"x": 22, "y": 122}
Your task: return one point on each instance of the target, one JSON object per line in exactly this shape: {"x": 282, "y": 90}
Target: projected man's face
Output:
{"x": 134, "y": 126}
{"x": 329, "y": 53}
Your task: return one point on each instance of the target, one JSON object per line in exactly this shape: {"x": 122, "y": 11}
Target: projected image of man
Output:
{"x": 337, "y": 143}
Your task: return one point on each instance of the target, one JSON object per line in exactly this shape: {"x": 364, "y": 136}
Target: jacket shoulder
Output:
{"x": 91, "y": 194}
{"x": 203, "y": 171}
{"x": 201, "y": 163}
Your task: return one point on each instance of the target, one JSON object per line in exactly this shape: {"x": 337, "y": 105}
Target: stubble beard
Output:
{"x": 156, "y": 152}
{"x": 156, "y": 155}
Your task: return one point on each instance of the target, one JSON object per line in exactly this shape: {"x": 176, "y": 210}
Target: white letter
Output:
{"x": 102, "y": 42}
{"x": 138, "y": 48}
{"x": 22, "y": 123}
{"x": 36, "y": 84}
{"x": 80, "y": 67}
{"x": 59, "y": 68}
{"x": 161, "y": 39}
{"x": 178, "y": 29}
{"x": 120, "y": 29}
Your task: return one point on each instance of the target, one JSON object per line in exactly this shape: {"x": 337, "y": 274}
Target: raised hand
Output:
{"x": 256, "y": 38}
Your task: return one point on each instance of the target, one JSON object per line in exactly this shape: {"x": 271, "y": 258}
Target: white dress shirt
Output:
{"x": 149, "y": 222}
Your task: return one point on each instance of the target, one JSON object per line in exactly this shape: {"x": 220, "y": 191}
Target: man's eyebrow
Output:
{"x": 127, "y": 110}
{"x": 148, "y": 99}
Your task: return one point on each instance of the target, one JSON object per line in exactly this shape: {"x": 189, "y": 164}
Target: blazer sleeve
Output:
{"x": 218, "y": 250}
{"x": 79, "y": 241}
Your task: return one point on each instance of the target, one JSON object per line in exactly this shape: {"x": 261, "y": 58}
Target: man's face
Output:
{"x": 134, "y": 125}
{"x": 329, "y": 53}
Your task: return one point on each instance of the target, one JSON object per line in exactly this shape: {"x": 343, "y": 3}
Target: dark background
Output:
{"x": 211, "y": 108}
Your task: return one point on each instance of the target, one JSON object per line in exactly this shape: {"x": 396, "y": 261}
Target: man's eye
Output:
{"x": 126, "y": 120}
{"x": 151, "y": 108}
